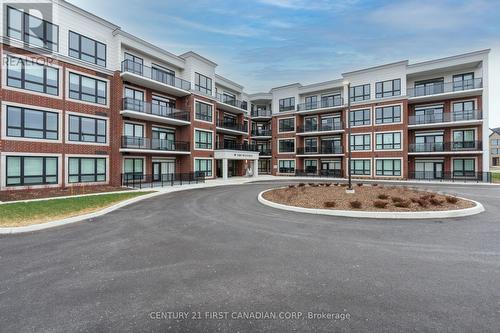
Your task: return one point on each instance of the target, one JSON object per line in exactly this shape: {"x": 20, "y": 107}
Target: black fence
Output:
{"x": 319, "y": 173}
{"x": 139, "y": 180}
{"x": 236, "y": 146}
{"x": 445, "y": 146}
{"x": 325, "y": 150}
{"x": 453, "y": 176}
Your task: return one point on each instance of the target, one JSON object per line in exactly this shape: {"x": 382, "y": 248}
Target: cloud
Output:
{"x": 239, "y": 31}
{"x": 310, "y": 5}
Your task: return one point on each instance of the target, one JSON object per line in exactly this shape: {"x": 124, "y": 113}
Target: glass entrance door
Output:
{"x": 331, "y": 168}
{"x": 429, "y": 170}
{"x": 163, "y": 171}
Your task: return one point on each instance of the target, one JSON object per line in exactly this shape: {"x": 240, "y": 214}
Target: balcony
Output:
{"x": 226, "y": 145}
{"x": 262, "y": 133}
{"x": 138, "y": 109}
{"x": 320, "y": 129}
{"x": 325, "y": 105}
{"x": 325, "y": 150}
{"x": 446, "y": 119}
{"x": 458, "y": 176}
{"x": 231, "y": 127}
{"x": 436, "y": 91}
{"x": 154, "y": 78}
{"x": 134, "y": 144}
{"x": 265, "y": 152}
{"x": 461, "y": 147}
{"x": 287, "y": 108}
{"x": 230, "y": 104}
{"x": 262, "y": 114}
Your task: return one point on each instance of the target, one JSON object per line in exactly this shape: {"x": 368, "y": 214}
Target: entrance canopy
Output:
{"x": 227, "y": 154}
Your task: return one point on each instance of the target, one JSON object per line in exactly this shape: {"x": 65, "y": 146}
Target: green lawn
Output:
{"x": 26, "y": 213}
{"x": 495, "y": 177}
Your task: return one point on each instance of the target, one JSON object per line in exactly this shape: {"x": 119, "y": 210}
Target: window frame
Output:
{"x": 366, "y": 95}
{"x": 199, "y": 145}
{"x": 204, "y": 118}
{"x": 389, "y": 93}
{"x": 280, "y": 140}
{"x": 81, "y": 134}
{"x": 22, "y": 128}
{"x": 364, "y": 171}
{"x": 80, "y": 93}
{"x": 23, "y": 80}
{"x": 364, "y": 145}
{"x": 80, "y": 52}
{"x": 290, "y": 167}
{"x": 22, "y": 175}
{"x": 383, "y": 146}
{"x": 287, "y": 104}
{"x": 393, "y": 119}
{"x": 463, "y": 171}
{"x": 80, "y": 175}
{"x": 352, "y": 122}
{"x": 280, "y": 126}
{"x": 201, "y": 88}
{"x": 197, "y": 164}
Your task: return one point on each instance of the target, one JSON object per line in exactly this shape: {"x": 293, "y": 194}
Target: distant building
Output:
{"x": 495, "y": 147}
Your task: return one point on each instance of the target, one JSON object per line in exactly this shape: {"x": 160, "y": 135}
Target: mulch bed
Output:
{"x": 366, "y": 198}
{"x": 15, "y": 195}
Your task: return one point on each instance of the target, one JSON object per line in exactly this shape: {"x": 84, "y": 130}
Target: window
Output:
{"x": 87, "y": 49}
{"x": 203, "y": 139}
{"x": 86, "y": 170}
{"x": 429, "y": 114}
{"x": 310, "y": 166}
{"x": 163, "y": 74}
{"x": 360, "y": 93}
{"x": 287, "y": 104}
{"x": 286, "y": 166}
{"x": 133, "y": 168}
{"x": 361, "y": 142}
{"x": 388, "y": 167}
{"x": 330, "y": 123}
{"x": 361, "y": 167}
{"x": 388, "y": 88}
{"x": 465, "y": 167}
{"x": 203, "y": 84}
{"x": 133, "y": 130}
{"x": 286, "y": 146}
{"x": 203, "y": 112}
{"x": 388, "y": 141}
{"x": 388, "y": 114}
{"x": 32, "y": 30}
{"x": 203, "y": 165}
{"x": 87, "y": 129}
{"x": 87, "y": 89}
{"x": 360, "y": 118}
{"x": 29, "y": 75}
{"x": 29, "y": 123}
{"x": 311, "y": 145}
{"x": 463, "y": 81}
{"x": 463, "y": 110}
{"x": 311, "y": 102}
{"x": 286, "y": 125}
{"x": 331, "y": 100}
{"x": 464, "y": 139}
{"x": 429, "y": 87}
{"x": 28, "y": 170}
{"x": 310, "y": 124}
{"x": 133, "y": 63}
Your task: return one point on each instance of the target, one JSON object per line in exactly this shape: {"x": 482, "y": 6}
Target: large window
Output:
{"x": 388, "y": 141}
{"x": 311, "y": 145}
{"x": 388, "y": 114}
{"x": 310, "y": 166}
{"x": 203, "y": 84}
{"x": 287, "y": 104}
{"x": 361, "y": 167}
{"x": 360, "y": 118}
{"x": 388, "y": 167}
{"x": 34, "y": 124}
{"x": 29, "y": 75}
{"x": 286, "y": 125}
{"x": 87, "y": 89}
{"x": 286, "y": 146}
{"x": 32, "y": 30}
{"x": 311, "y": 102}
{"x": 87, "y": 49}
{"x": 360, "y": 93}
{"x": 86, "y": 170}
{"x": 133, "y": 168}
{"x": 463, "y": 110}
{"x": 203, "y": 139}
{"x": 464, "y": 167}
{"x": 203, "y": 165}
{"x": 388, "y": 88}
{"x": 463, "y": 81}
{"x": 286, "y": 166}
{"x": 203, "y": 112}
{"x": 361, "y": 142}
{"x": 31, "y": 170}
{"x": 87, "y": 129}
{"x": 464, "y": 139}
{"x": 133, "y": 63}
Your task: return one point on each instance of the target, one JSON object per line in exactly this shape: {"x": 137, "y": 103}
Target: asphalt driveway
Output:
{"x": 219, "y": 250}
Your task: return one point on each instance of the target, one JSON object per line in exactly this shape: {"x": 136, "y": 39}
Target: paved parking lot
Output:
{"x": 219, "y": 250}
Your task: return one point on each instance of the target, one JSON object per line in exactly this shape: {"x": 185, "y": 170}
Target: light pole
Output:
{"x": 349, "y": 187}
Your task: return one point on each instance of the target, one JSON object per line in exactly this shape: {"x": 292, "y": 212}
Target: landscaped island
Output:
{"x": 332, "y": 196}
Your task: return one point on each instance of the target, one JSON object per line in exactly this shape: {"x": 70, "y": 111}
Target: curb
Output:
{"x": 58, "y": 223}
{"x": 377, "y": 215}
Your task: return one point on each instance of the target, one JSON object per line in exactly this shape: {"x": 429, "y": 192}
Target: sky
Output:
{"x": 266, "y": 43}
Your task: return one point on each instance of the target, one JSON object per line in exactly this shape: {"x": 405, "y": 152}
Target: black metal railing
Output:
{"x": 337, "y": 126}
{"x": 134, "y": 142}
{"x": 155, "y": 74}
{"x": 287, "y": 108}
{"x": 262, "y": 132}
{"x": 139, "y": 180}
{"x": 446, "y": 117}
{"x": 445, "y": 146}
{"x": 236, "y": 146}
{"x": 232, "y": 126}
{"x": 444, "y": 87}
{"x": 154, "y": 109}
{"x": 261, "y": 113}
{"x": 231, "y": 101}
{"x": 319, "y": 173}
{"x": 325, "y": 150}
{"x": 265, "y": 152}
{"x": 327, "y": 103}
{"x": 454, "y": 176}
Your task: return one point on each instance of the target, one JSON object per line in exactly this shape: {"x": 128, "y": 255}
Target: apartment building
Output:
{"x": 85, "y": 103}
{"x": 495, "y": 147}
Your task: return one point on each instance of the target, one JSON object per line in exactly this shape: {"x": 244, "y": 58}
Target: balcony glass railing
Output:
{"x": 236, "y": 146}
{"x": 261, "y": 132}
{"x": 232, "y": 126}
{"x": 444, "y": 87}
{"x": 337, "y": 126}
{"x": 154, "y": 109}
{"x": 261, "y": 113}
{"x": 232, "y": 101}
{"x": 155, "y": 74}
{"x": 134, "y": 142}
{"x": 431, "y": 147}
{"x": 323, "y": 150}
{"x": 326, "y": 103}
{"x": 446, "y": 117}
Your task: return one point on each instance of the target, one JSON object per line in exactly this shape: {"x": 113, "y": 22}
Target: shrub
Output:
{"x": 452, "y": 200}
{"x": 423, "y": 203}
{"x": 374, "y": 184}
{"x": 329, "y": 204}
{"x": 360, "y": 184}
{"x": 380, "y": 204}
{"x": 414, "y": 200}
{"x": 343, "y": 185}
{"x": 301, "y": 185}
{"x": 425, "y": 197}
{"x": 435, "y": 202}
{"x": 312, "y": 184}
{"x": 328, "y": 184}
{"x": 291, "y": 186}
{"x": 336, "y": 184}
{"x": 396, "y": 199}
{"x": 383, "y": 196}
{"x": 356, "y": 204}
{"x": 402, "y": 204}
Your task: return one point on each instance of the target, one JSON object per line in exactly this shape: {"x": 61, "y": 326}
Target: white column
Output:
{"x": 224, "y": 168}
{"x": 255, "y": 168}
